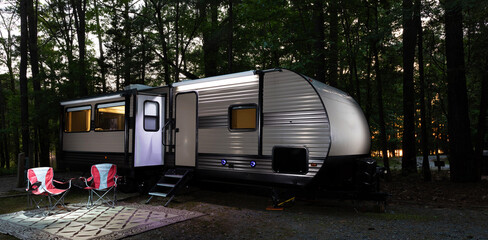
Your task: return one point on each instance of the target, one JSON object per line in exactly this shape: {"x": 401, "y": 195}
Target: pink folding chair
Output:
{"x": 40, "y": 183}
{"x": 103, "y": 179}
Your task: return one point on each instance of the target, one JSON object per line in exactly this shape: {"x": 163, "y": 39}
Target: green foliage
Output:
{"x": 142, "y": 48}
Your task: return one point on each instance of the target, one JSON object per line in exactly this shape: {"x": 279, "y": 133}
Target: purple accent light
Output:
{"x": 253, "y": 163}
{"x": 223, "y": 161}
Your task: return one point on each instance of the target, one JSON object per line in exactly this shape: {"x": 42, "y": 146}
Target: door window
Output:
{"x": 151, "y": 116}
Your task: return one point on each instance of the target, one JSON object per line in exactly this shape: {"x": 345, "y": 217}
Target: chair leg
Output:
{"x": 31, "y": 200}
{"x": 50, "y": 203}
{"x": 103, "y": 198}
{"x": 60, "y": 200}
{"x": 90, "y": 199}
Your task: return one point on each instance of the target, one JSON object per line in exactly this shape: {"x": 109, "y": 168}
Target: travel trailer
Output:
{"x": 273, "y": 127}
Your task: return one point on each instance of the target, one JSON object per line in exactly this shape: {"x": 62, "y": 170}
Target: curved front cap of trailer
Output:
{"x": 349, "y": 129}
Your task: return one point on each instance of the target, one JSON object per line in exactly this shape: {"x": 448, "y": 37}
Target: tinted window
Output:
{"x": 77, "y": 119}
{"x": 110, "y": 117}
{"x": 243, "y": 117}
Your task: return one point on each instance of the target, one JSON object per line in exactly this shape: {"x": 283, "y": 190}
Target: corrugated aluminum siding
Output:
{"x": 294, "y": 116}
{"x": 213, "y": 106}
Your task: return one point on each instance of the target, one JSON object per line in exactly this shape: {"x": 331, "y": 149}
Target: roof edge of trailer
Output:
{"x": 215, "y": 78}
{"x": 106, "y": 96}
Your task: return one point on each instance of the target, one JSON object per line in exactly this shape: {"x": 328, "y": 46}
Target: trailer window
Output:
{"x": 110, "y": 116}
{"x": 77, "y": 119}
{"x": 151, "y": 116}
{"x": 243, "y": 117}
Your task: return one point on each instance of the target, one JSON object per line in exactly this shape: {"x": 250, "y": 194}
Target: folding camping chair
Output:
{"x": 40, "y": 183}
{"x": 103, "y": 179}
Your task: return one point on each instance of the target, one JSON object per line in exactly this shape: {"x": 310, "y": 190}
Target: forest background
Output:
{"x": 418, "y": 68}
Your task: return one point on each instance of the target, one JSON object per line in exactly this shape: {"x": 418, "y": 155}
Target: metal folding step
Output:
{"x": 169, "y": 184}
{"x": 158, "y": 194}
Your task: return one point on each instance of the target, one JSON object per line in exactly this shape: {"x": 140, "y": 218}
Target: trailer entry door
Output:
{"x": 186, "y": 129}
{"x": 148, "y": 140}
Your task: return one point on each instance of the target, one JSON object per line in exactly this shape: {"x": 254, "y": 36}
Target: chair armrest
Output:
{"x": 32, "y": 186}
{"x": 118, "y": 178}
{"x": 86, "y": 180}
{"x": 64, "y": 183}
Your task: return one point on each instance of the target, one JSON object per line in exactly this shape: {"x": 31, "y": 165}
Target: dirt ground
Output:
{"x": 416, "y": 210}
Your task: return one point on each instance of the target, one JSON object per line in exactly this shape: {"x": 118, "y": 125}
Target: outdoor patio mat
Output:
{"x": 99, "y": 222}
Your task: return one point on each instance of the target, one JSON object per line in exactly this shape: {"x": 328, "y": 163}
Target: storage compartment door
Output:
{"x": 148, "y": 131}
{"x": 290, "y": 159}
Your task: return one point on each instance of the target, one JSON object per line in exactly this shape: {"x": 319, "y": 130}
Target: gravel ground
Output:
{"x": 241, "y": 215}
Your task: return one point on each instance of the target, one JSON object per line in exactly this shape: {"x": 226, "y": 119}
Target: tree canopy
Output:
{"x": 401, "y": 61}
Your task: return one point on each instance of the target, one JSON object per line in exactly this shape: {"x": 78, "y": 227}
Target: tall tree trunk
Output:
{"x": 117, "y": 71}
{"x": 162, "y": 35}
{"x": 333, "y": 45}
{"x": 409, "y": 161}
{"x": 34, "y": 62}
{"x": 230, "y": 45}
{"x": 423, "y": 118}
{"x": 369, "y": 98}
{"x": 127, "y": 45}
{"x": 480, "y": 135}
{"x": 24, "y": 102}
{"x": 3, "y": 134}
{"x": 143, "y": 55}
{"x": 79, "y": 9}
{"x": 351, "y": 53}
{"x": 66, "y": 29}
{"x": 177, "y": 42}
{"x": 319, "y": 41}
{"x": 379, "y": 89}
{"x": 210, "y": 37}
{"x": 101, "y": 58}
{"x": 461, "y": 159}
{"x": 41, "y": 138}
{"x": 8, "y": 45}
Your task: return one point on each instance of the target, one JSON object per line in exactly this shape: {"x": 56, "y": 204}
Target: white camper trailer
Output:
{"x": 273, "y": 127}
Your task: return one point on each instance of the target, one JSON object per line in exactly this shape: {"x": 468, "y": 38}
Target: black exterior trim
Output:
{"x": 59, "y": 155}
{"x": 260, "y": 115}
{"x": 84, "y": 160}
{"x": 126, "y": 128}
{"x": 133, "y": 125}
{"x": 171, "y": 118}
